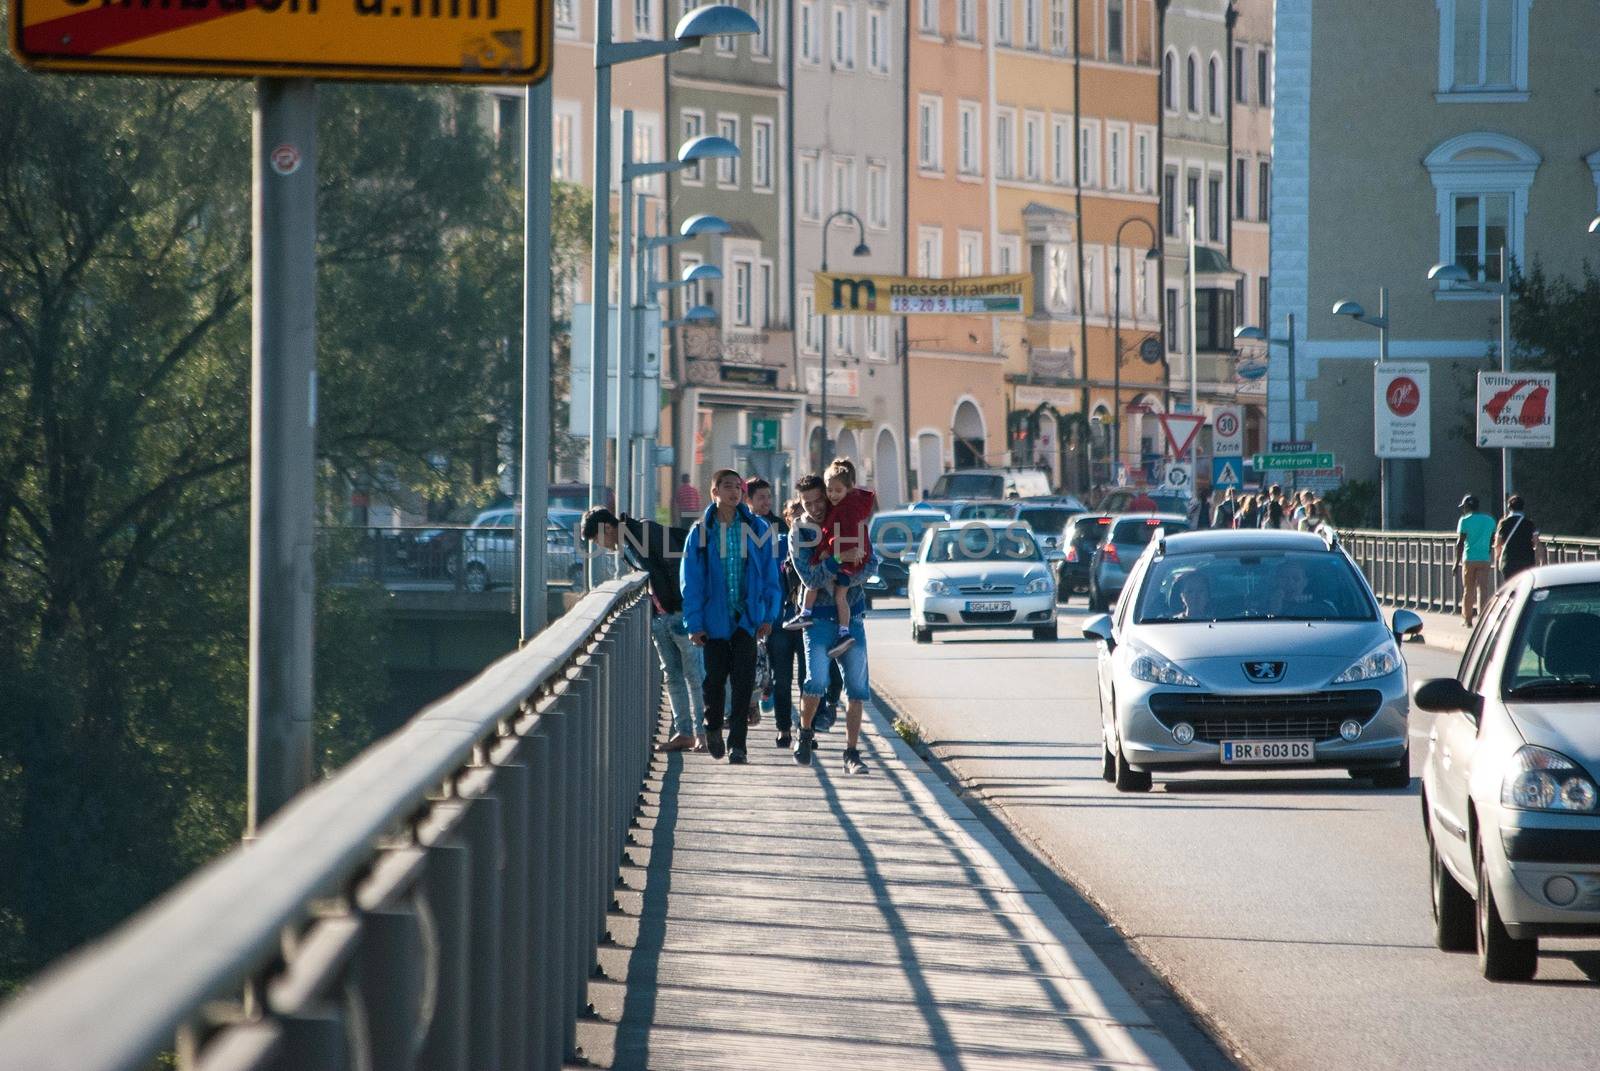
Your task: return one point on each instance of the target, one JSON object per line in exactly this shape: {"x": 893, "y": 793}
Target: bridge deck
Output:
{"x": 778, "y": 916}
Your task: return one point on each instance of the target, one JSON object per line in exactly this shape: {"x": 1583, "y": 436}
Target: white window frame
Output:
{"x": 741, "y": 304}
{"x": 728, "y": 168}
{"x": 877, "y": 195}
{"x": 1005, "y": 143}
{"x": 1117, "y": 157}
{"x": 1089, "y": 161}
{"x": 761, "y": 43}
{"x": 1241, "y": 74}
{"x": 930, "y": 133}
{"x": 969, "y": 253}
{"x": 967, "y": 19}
{"x": 809, "y": 44}
{"x": 1061, "y": 150}
{"x": 1004, "y": 16}
{"x": 844, "y": 334}
{"x": 761, "y": 160}
{"x": 1008, "y": 246}
{"x": 647, "y": 146}
{"x": 1172, "y": 98}
{"x": 767, "y": 293}
{"x": 1511, "y": 172}
{"x": 878, "y": 40}
{"x": 570, "y": 111}
{"x": 843, "y": 26}
{"x": 1094, "y": 279}
{"x": 1143, "y": 164}
{"x": 566, "y": 14}
{"x": 1120, "y": 53}
{"x": 842, "y": 183}
{"x": 1516, "y": 91}
{"x": 969, "y": 151}
{"x": 877, "y": 329}
{"x": 1216, "y": 92}
{"x": 1193, "y": 84}
{"x": 809, "y": 180}
{"x": 1033, "y": 142}
{"x": 691, "y": 124}
{"x": 1030, "y": 24}
{"x": 644, "y": 28}
{"x": 810, "y": 322}
{"x": 931, "y": 241}
{"x": 928, "y": 16}
{"x": 1058, "y": 26}
{"x": 691, "y": 291}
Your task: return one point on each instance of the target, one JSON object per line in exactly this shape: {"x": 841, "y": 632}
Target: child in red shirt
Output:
{"x": 844, "y": 530}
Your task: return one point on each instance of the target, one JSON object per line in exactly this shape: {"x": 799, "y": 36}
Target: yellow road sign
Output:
{"x": 494, "y": 41}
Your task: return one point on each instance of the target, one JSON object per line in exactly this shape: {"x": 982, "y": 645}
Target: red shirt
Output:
{"x": 845, "y": 527}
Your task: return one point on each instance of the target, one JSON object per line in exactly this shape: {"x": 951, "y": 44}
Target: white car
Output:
{"x": 981, "y": 574}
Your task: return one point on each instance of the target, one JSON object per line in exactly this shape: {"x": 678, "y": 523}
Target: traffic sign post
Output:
{"x": 1179, "y": 477}
{"x": 1226, "y": 472}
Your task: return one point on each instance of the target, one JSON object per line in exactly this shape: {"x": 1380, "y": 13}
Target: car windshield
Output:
{"x": 981, "y": 543}
{"x": 893, "y": 534}
{"x": 969, "y": 485}
{"x": 986, "y": 511}
{"x": 1556, "y": 651}
{"x": 1253, "y": 584}
{"x": 1046, "y": 520}
{"x": 1137, "y": 531}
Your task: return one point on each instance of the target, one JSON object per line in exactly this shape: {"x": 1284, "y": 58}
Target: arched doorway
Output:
{"x": 846, "y": 446}
{"x": 814, "y": 459}
{"x": 930, "y": 460}
{"x": 968, "y": 429}
{"x": 886, "y": 462}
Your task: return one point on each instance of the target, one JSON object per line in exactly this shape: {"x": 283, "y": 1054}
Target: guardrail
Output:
{"x": 443, "y": 557}
{"x": 435, "y": 904}
{"x": 1419, "y": 569}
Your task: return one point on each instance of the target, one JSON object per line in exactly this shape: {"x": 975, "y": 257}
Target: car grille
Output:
{"x": 998, "y": 589}
{"x": 1308, "y": 716}
{"x": 988, "y": 617}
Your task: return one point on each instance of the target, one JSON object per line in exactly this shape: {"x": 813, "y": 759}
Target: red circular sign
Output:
{"x": 285, "y": 159}
{"x": 1404, "y": 396}
{"x": 1227, "y": 425}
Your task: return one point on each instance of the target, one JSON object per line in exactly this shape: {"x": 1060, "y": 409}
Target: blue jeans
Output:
{"x": 819, "y": 637}
{"x": 685, "y": 671}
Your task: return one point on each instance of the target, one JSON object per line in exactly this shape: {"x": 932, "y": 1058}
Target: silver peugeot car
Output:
{"x": 1248, "y": 649}
{"x": 1510, "y": 802}
{"x": 986, "y": 574}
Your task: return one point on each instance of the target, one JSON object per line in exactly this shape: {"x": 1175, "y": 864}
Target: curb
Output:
{"x": 1097, "y": 990}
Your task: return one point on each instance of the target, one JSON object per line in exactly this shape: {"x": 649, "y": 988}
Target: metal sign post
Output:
{"x": 283, "y": 416}
{"x": 533, "y": 611}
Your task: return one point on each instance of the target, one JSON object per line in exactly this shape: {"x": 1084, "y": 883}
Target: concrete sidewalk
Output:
{"x": 779, "y": 916}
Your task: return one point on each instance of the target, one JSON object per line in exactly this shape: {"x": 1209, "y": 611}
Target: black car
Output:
{"x": 893, "y": 535}
{"x": 1079, "y": 540}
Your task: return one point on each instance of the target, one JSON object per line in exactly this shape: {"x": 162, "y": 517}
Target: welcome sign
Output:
{"x": 902, "y": 295}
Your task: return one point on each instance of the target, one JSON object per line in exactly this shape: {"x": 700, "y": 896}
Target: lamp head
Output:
{"x": 1349, "y": 308}
{"x": 1452, "y": 273}
{"x": 713, "y": 20}
{"x": 704, "y": 223}
{"x": 861, "y": 250}
{"x": 707, "y": 147}
{"x": 1152, "y": 253}
{"x": 700, "y": 313}
{"x": 702, "y": 273}
{"x": 1249, "y": 334}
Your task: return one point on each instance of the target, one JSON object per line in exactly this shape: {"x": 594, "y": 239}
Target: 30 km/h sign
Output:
{"x": 494, "y": 41}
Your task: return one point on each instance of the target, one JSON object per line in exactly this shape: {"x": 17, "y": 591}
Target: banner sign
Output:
{"x": 900, "y": 295}
{"x": 507, "y": 42}
{"x": 1400, "y": 419}
{"x": 1517, "y": 409}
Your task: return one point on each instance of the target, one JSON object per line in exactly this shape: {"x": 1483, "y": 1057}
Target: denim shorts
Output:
{"x": 818, "y": 638}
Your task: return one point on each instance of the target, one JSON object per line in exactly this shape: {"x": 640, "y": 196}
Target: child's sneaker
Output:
{"x": 842, "y": 644}
{"x": 799, "y": 621}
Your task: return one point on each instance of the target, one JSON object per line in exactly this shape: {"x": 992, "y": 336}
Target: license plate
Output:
{"x": 1268, "y": 751}
{"x": 987, "y": 607}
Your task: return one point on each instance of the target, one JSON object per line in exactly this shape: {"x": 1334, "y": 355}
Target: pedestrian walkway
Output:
{"x": 778, "y": 916}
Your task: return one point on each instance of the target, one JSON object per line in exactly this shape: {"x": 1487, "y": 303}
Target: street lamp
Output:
{"x": 1154, "y": 253}
{"x": 706, "y": 147}
{"x": 712, "y": 20}
{"x": 1255, "y": 334}
{"x": 697, "y": 314}
{"x": 1381, "y": 322}
{"x": 861, "y": 250}
{"x": 1459, "y": 277}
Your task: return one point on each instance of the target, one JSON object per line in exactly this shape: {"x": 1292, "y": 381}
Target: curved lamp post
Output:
{"x": 1460, "y": 277}
{"x": 1152, "y": 254}
{"x": 861, "y": 250}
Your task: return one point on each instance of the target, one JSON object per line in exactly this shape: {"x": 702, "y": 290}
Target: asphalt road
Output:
{"x": 1289, "y": 909}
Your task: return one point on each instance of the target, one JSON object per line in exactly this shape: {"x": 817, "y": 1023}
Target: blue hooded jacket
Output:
{"x": 705, "y": 594}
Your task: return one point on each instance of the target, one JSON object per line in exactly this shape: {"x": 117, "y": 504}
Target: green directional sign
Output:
{"x": 764, "y": 434}
{"x": 1282, "y": 462}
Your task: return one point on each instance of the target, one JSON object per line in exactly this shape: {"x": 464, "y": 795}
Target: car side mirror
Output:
{"x": 907, "y": 557}
{"x": 1444, "y": 694}
{"x": 1405, "y": 623}
{"x": 1099, "y": 628}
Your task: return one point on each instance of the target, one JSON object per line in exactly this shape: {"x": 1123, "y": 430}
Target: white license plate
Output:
{"x": 987, "y": 607}
{"x": 1268, "y": 751}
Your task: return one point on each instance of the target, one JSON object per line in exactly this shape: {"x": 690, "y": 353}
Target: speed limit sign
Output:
{"x": 1179, "y": 476}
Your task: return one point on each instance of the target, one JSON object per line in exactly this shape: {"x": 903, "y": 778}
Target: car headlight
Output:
{"x": 1545, "y": 780}
{"x": 1038, "y": 586}
{"x": 1157, "y": 669}
{"x": 1381, "y": 661}
{"x": 935, "y": 586}
{"x": 874, "y": 579}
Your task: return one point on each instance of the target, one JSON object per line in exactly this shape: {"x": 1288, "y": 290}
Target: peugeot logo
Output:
{"x": 1264, "y": 672}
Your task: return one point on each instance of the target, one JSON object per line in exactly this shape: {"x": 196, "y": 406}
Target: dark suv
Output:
{"x": 1079, "y": 539}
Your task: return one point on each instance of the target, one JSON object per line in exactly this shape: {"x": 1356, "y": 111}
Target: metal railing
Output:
{"x": 437, "y": 903}
{"x": 442, "y": 557}
{"x": 1419, "y": 569}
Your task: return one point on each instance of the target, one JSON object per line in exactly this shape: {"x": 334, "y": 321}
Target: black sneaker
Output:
{"x": 803, "y": 746}
{"x": 842, "y": 644}
{"x": 784, "y": 739}
{"x": 714, "y": 742}
{"x": 853, "y": 763}
{"x": 736, "y": 757}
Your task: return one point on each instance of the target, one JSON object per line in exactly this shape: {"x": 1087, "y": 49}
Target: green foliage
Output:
{"x": 124, "y": 416}
{"x": 1354, "y": 505}
{"x": 1554, "y": 324}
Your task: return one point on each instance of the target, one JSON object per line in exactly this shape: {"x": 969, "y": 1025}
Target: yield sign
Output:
{"x": 1185, "y": 424}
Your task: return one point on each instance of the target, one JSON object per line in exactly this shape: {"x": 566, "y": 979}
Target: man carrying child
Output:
{"x": 844, "y": 532}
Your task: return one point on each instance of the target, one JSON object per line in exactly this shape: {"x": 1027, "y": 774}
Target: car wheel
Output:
{"x": 1452, "y": 907}
{"x": 1396, "y": 776}
{"x": 1095, "y": 605}
{"x": 1108, "y": 763}
{"x": 1126, "y": 778}
{"x": 1045, "y": 633}
{"x": 1501, "y": 957}
{"x": 920, "y": 635}
{"x": 477, "y": 578}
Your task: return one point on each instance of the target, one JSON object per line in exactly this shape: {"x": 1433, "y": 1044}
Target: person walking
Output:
{"x": 1200, "y": 511}
{"x": 729, "y": 576}
{"x": 1223, "y": 516}
{"x": 656, "y": 549}
{"x": 823, "y": 630}
{"x": 1474, "y": 534}
{"x": 786, "y": 650}
{"x": 1515, "y": 539}
{"x": 687, "y": 500}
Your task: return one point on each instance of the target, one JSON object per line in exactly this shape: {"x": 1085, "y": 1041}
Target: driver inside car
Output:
{"x": 1192, "y": 596}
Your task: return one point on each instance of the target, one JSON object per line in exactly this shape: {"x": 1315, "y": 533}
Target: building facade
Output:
{"x": 1475, "y": 150}
{"x": 1250, "y": 191}
{"x": 849, "y": 108}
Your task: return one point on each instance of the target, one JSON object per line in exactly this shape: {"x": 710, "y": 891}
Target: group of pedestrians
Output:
{"x": 1277, "y": 509}
{"x": 744, "y": 588}
{"x": 1484, "y": 545}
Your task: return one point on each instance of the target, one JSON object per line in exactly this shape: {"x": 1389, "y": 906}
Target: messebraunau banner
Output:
{"x": 899, "y": 295}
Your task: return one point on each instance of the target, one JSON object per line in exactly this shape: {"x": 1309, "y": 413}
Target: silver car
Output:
{"x": 1509, "y": 797}
{"x": 1249, "y": 649}
{"x": 981, "y": 574}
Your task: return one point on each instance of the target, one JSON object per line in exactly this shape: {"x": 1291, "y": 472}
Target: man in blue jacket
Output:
{"x": 731, "y": 594}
